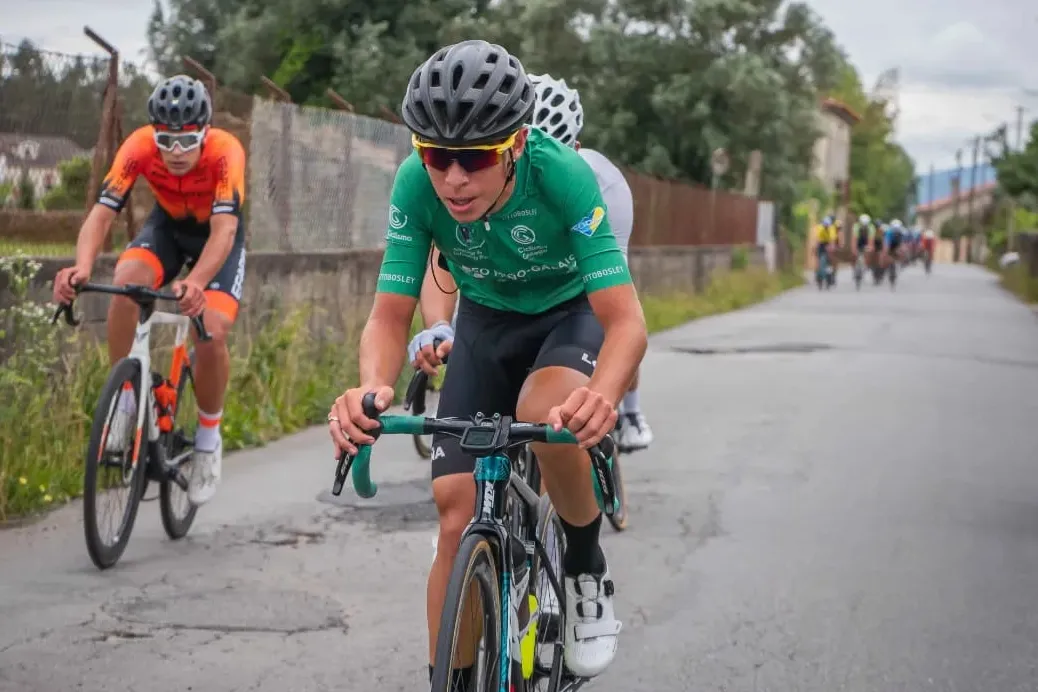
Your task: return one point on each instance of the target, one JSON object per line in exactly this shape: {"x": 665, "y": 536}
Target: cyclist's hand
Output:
{"x": 191, "y": 297}
{"x": 420, "y": 352}
{"x": 587, "y": 414}
{"x": 65, "y": 282}
{"x": 347, "y": 422}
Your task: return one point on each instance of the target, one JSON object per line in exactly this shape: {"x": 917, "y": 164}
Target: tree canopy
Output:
{"x": 663, "y": 82}
{"x": 1017, "y": 170}
{"x": 44, "y": 93}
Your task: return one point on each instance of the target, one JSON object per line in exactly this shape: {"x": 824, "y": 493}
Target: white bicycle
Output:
{"x": 164, "y": 423}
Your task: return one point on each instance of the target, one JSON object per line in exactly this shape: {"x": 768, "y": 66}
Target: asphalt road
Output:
{"x": 842, "y": 496}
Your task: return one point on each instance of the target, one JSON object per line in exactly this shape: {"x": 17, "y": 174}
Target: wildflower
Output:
{"x": 23, "y": 480}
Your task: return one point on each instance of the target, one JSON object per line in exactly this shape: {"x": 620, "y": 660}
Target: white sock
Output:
{"x": 207, "y": 436}
{"x": 631, "y": 402}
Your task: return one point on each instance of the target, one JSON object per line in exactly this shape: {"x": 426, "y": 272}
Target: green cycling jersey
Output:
{"x": 549, "y": 243}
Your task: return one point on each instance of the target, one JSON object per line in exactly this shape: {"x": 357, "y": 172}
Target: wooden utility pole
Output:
{"x": 1011, "y": 225}
{"x": 973, "y": 192}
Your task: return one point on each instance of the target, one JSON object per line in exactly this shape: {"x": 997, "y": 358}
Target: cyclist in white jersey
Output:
{"x": 559, "y": 113}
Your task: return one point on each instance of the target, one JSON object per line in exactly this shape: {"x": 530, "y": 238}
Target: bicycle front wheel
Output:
{"x": 178, "y": 513}
{"x": 470, "y": 625}
{"x": 116, "y": 462}
{"x": 618, "y": 519}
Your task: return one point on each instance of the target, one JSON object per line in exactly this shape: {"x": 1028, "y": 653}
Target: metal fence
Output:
{"x": 320, "y": 179}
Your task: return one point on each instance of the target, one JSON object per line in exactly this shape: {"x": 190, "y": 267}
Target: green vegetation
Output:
{"x": 9, "y": 247}
{"x": 279, "y": 384}
{"x": 729, "y": 291}
{"x": 70, "y": 192}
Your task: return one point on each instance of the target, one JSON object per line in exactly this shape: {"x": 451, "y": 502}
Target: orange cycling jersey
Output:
{"x": 215, "y": 186}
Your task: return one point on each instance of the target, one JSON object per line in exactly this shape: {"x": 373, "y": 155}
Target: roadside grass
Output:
{"x": 729, "y": 291}
{"x": 282, "y": 379}
{"x": 1017, "y": 280}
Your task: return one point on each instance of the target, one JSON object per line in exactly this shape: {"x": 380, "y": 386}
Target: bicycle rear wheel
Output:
{"x": 470, "y": 625}
{"x": 108, "y": 472}
{"x": 178, "y": 513}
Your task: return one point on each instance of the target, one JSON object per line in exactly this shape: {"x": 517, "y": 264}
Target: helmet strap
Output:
{"x": 508, "y": 180}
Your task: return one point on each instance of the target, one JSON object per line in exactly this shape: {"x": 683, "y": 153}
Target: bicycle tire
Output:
{"x": 618, "y": 519}
{"x": 103, "y": 556}
{"x": 176, "y": 527}
{"x": 475, "y": 564}
{"x": 552, "y": 627}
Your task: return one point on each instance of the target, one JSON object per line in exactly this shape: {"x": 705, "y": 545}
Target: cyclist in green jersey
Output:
{"x": 549, "y": 325}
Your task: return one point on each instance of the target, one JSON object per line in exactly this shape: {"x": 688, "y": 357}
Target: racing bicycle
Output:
{"x": 492, "y": 619}
{"x": 415, "y": 400}
{"x": 158, "y": 447}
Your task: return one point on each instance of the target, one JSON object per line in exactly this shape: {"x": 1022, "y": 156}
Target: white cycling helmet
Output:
{"x": 558, "y": 111}
{"x": 864, "y": 219}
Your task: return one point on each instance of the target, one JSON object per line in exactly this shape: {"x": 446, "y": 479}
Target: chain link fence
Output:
{"x": 51, "y": 111}
{"x": 320, "y": 179}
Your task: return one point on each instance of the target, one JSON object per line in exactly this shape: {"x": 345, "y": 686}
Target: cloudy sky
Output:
{"x": 964, "y": 64}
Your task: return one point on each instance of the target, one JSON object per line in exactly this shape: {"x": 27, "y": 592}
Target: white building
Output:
{"x": 37, "y": 154}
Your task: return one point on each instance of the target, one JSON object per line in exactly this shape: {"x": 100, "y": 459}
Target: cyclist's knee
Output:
{"x": 455, "y": 498}
{"x": 221, "y": 309}
{"x": 134, "y": 271}
{"x": 546, "y": 388}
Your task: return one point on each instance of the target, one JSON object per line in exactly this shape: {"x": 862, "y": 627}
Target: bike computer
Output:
{"x": 481, "y": 439}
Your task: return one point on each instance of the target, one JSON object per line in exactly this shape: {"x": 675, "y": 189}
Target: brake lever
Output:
{"x": 66, "y": 310}
{"x": 199, "y": 325}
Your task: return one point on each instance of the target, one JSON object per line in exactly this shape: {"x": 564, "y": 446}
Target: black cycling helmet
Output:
{"x": 467, "y": 94}
{"x": 180, "y": 102}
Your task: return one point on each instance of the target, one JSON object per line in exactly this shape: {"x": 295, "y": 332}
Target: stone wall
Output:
{"x": 340, "y": 285}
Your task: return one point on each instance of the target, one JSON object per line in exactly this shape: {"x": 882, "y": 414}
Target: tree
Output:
{"x": 882, "y": 173}
{"x": 70, "y": 193}
{"x": 663, "y": 83}
{"x": 43, "y": 93}
{"x": 1018, "y": 171}
{"x": 26, "y": 191}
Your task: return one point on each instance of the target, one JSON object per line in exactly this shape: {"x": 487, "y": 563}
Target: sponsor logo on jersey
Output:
{"x": 590, "y": 223}
{"x": 521, "y": 213}
{"x": 523, "y": 235}
{"x": 467, "y": 237}
{"x": 397, "y": 218}
{"x": 396, "y": 278}
{"x": 602, "y": 273}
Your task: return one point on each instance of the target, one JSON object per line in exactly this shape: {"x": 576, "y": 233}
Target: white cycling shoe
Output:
{"x": 206, "y": 468}
{"x": 591, "y": 625}
{"x": 635, "y": 433}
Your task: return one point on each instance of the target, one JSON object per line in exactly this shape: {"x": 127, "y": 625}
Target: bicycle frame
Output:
{"x": 141, "y": 352}
{"x": 140, "y": 349}
{"x": 495, "y": 478}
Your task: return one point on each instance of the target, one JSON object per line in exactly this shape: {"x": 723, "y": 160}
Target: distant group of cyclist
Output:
{"x": 877, "y": 245}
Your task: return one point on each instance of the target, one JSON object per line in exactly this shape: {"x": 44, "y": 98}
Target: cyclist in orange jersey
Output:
{"x": 197, "y": 174}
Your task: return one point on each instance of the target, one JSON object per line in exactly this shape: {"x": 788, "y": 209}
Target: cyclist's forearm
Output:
{"x": 381, "y": 344}
{"x": 623, "y": 348}
{"x": 93, "y": 233}
{"x": 223, "y": 228}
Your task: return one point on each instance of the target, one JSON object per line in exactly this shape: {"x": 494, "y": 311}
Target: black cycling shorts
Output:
{"x": 863, "y": 242}
{"x": 167, "y": 245}
{"x": 494, "y": 352}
